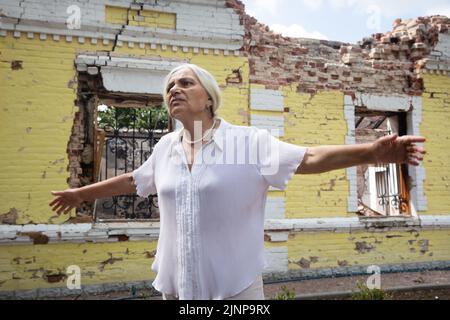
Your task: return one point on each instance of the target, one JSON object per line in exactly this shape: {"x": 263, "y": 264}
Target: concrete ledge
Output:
{"x": 52, "y": 293}
{"x": 347, "y": 224}
{"x": 79, "y": 233}
{"x": 292, "y": 275}
{"x": 148, "y": 231}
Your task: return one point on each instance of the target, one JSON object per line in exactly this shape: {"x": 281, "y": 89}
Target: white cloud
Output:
{"x": 445, "y": 11}
{"x": 339, "y": 4}
{"x": 297, "y": 31}
{"x": 387, "y": 8}
{"x": 345, "y": 20}
{"x": 263, "y": 7}
{"x": 313, "y": 4}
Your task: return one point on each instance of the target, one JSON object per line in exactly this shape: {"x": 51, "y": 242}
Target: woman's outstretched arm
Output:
{"x": 71, "y": 198}
{"x": 389, "y": 149}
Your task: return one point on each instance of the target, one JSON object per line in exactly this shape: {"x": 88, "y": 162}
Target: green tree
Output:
{"x": 154, "y": 118}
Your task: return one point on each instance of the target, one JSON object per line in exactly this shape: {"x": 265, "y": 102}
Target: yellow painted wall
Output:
{"x": 234, "y": 96}
{"x": 37, "y": 106}
{"x": 38, "y": 109}
{"x": 140, "y": 18}
{"x": 312, "y": 121}
{"x": 333, "y": 249}
{"x": 25, "y": 267}
{"x": 434, "y": 126}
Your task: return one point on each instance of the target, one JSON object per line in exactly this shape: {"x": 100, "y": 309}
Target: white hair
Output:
{"x": 206, "y": 79}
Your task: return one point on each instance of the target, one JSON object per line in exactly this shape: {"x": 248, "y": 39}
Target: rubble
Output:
{"x": 382, "y": 63}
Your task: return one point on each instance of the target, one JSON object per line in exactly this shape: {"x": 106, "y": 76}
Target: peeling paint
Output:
{"x": 343, "y": 263}
{"x": 14, "y": 277}
{"x": 150, "y": 254}
{"x": 71, "y": 84}
{"x": 54, "y": 278}
{"x": 235, "y": 77}
{"x": 390, "y": 236}
{"x": 120, "y": 237}
{"x": 9, "y": 217}
{"x": 111, "y": 260}
{"x": 304, "y": 263}
{"x": 35, "y": 273}
{"x": 330, "y": 185}
{"x": 363, "y": 247}
{"x": 61, "y": 160}
{"x": 16, "y": 65}
{"x": 424, "y": 245}
{"x": 80, "y": 218}
{"x": 37, "y": 237}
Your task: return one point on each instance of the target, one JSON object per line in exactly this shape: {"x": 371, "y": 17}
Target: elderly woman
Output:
{"x": 212, "y": 178}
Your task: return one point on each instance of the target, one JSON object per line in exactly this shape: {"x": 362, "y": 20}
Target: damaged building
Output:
{"x": 80, "y": 100}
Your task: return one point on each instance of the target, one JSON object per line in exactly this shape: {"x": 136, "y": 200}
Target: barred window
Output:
{"x": 382, "y": 189}
{"x": 125, "y": 138}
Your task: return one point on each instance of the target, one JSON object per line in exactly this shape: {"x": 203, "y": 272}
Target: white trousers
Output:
{"x": 254, "y": 292}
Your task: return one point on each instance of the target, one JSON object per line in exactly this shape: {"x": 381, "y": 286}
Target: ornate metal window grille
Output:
{"x": 388, "y": 190}
{"x": 384, "y": 189}
{"x": 127, "y": 137}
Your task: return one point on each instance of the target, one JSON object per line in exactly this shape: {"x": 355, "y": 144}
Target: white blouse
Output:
{"x": 211, "y": 242}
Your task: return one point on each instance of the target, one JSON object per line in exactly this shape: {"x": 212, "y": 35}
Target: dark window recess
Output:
{"x": 125, "y": 138}
{"x": 383, "y": 190}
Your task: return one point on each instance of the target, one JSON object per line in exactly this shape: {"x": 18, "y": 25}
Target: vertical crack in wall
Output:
{"x": 126, "y": 24}
{"x": 21, "y": 14}
{"x": 116, "y": 39}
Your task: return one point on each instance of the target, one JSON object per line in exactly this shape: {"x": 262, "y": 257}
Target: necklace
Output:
{"x": 207, "y": 133}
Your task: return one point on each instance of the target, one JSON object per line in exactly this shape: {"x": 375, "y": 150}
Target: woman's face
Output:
{"x": 186, "y": 96}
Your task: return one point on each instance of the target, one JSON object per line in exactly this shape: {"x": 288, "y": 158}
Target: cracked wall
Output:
{"x": 49, "y": 129}
{"x": 39, "y": 103}
{"x": 335, "y": 249}
{"x": 436, "y": 116}
{"x": 387, "y": 70}
{"x": 44, "y": 116}
{"x": 298, "y": 86}
{"x": 32, "y": 267}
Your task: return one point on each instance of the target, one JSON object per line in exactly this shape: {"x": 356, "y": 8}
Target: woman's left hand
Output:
{"x": 394, "y": 149}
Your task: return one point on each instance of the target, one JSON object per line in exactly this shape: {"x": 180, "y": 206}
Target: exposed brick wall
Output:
{"x": 382, "y": 63}
{"x": 47, "y": 131}
{"x": 51, "y": 130}
{"x": 436, "y": 117}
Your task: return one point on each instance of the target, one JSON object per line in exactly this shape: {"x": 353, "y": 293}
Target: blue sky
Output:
{"x": 340, "y": 20}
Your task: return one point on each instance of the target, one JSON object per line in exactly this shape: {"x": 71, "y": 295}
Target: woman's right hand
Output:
{"x": 66, "y": 200}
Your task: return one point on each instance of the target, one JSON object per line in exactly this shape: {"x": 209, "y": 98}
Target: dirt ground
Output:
{"x": 328, "y": 287}
{"x": 322, "y": 287}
